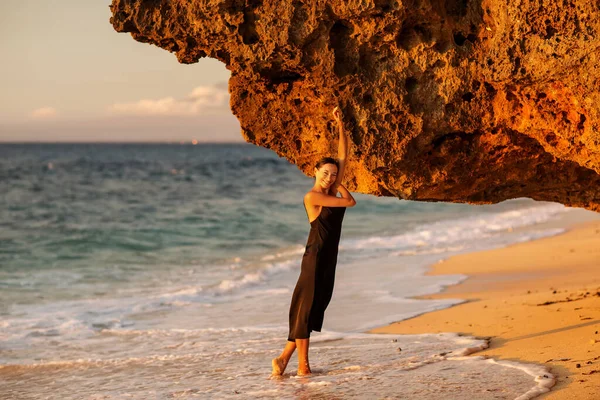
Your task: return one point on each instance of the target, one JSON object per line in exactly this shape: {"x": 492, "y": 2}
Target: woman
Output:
{"x": 313, "y": 291}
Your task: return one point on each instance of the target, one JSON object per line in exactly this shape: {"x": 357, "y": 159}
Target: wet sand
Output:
{"x": 538, "y": 301}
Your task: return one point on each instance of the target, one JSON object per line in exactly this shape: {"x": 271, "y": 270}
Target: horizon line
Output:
{"x": 181, "y": 143}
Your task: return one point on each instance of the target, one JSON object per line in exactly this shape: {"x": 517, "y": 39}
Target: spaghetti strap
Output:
{"x": 307, "y": 216}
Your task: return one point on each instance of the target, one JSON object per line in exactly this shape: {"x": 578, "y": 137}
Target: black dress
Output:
{"x": 315, "y": 284}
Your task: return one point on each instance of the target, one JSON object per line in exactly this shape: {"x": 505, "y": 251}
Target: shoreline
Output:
{"x": 537, "y": 302}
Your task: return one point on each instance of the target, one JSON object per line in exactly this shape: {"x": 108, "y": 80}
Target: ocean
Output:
{"x": 166, "y": 271}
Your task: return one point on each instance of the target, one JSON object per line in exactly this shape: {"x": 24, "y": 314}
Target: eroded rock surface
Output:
{"x": 459, "y": 100}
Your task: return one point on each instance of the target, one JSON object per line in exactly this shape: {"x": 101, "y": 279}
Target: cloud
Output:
{"x": 44, "y": 113}
{"x": 203, "y": 100}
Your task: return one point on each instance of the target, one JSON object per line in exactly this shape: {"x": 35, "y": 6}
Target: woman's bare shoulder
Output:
{"x": 308, "y": 196}
{"x": 314, "y": 197}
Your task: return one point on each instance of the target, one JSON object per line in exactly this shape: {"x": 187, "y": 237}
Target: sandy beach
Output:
{"x": 537, "y": 301}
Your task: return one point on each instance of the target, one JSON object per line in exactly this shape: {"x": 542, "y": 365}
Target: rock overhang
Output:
{"x": 472, "y": 101}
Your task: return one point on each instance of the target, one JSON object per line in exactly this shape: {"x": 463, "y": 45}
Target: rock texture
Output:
{"x": 444, "y": 100}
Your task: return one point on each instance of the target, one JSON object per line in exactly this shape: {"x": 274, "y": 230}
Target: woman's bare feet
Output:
{"x": 304, "y": 369}
{"x": 278, "y": 366}
{"x": 279, "y": 363}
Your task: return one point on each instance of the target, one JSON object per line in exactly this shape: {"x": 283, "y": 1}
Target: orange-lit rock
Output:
{"x": 457, "y": 100}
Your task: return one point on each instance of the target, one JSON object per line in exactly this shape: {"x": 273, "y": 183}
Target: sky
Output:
{"x": 67, "y": 76}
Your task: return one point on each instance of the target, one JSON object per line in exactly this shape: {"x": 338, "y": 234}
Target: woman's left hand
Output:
{"x": 337, "y": 114}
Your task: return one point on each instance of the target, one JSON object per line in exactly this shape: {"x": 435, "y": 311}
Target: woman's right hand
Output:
{"x": 346, "y": 195}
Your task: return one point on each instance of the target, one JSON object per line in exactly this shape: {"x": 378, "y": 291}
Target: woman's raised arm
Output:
{"x": 342, "y": 151}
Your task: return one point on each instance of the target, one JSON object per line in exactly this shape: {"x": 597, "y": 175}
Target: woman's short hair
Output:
{"x": 327, "y": 160}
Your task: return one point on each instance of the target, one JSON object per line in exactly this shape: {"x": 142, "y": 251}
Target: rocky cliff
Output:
{"x": 444, "y": 100}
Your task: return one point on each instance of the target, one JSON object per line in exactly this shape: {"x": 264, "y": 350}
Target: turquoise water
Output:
{"x": 111, "y": 253}
{"x": 110, "y": 216}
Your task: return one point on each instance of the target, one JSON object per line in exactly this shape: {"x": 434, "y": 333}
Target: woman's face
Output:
{"x": 326, "y": 175}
